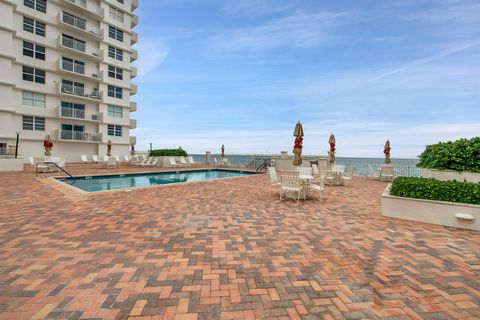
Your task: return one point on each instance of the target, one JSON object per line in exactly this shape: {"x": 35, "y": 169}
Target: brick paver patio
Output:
{"x": 225, "y": 249}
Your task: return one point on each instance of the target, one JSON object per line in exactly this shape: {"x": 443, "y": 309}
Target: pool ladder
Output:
{"x": 56, "y": 165}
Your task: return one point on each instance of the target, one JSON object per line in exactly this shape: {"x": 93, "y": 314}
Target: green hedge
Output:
{"x": 431, "y": 189}
{"x": 459, "y": 155}
{"x": 168, "y": 153}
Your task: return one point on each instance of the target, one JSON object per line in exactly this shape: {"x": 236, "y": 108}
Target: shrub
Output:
{"x": 168, "y": 153}
{"x": 431, "y": 189}
{"x": 459, "y": 155}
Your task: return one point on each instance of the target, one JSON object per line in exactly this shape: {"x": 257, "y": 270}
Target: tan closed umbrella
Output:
{"x": 109, "y": 148}
{"x": 297, "y": 147}
{"x": 331, "y": 153}
{"x": 386, "y": 151}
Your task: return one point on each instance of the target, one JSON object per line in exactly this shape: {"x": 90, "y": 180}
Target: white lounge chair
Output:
{"x": 347, "y": 179}
{"x": 40, "y": 165}
{"x": 154, "y": 163}
{"x": 32, "y": 163}
{"x": 141, "y": 163}
{"x": 290, "y": 184}
{"x": 84, "y": 159}
{"x": 373, "y": 173}
{"x": 190, "y": 160}
{"x": 183, "y": 162}
{"x": 148, "y": 162}
{"x": 126, "y": 158}
{"x": 172, "y": 162}
{"x": 111, "y": 163}
{"x": 95, "y": 158}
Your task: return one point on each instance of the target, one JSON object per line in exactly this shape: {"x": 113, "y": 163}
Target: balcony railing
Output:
{"x": 79, "y": 91}
{"x": 80, "y": 136}
{"x": 134, "y": 21}
{"x": 133, "y": 55}
{"x": 74, "y": 21}
{"x": 134, "y": 38}
{"x": 87, "y": 6}
{"x": 73, "y": 44}
{"x": 73, "y": 67}
{"x": 133, "y": 106}
{"x": 133, "y": 123}
{"x": 73, "y": 113}
{"x": 133, "y": 89}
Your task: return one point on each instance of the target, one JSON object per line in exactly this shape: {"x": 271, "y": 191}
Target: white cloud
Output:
{"x": 299, "y": 30}
{"x": 151, "y": 53}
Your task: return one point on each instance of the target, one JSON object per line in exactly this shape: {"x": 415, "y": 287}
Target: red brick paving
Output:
{"x": 225, "y": 249}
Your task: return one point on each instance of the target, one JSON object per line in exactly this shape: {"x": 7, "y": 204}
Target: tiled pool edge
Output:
{"x": 57, "y": 180}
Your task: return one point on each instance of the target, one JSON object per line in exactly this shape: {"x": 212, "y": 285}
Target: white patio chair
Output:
{"x": 373, "y": 173}
{"x": 319, "y": 188}
{"x": 272, "y": 174}
{"x": 95, "y": 158}
{"x": 111, "y": 163}
{"x": 40, "y": 165}
{"x": 315, "y": 170}
{"x": 347, "y": 178}
{"x": 32, "y": 163}
{"x": 330, "y": 177}
{"x": 386, "y": 172}
{"x": 140, "y": 163}
{"x": 126, "y": 158}
{"x": 323, "y": 171}
{"x": 105, "y": 158}
{"x": 226, "y": 162}
{"x": 305, "y": 171}
{"x": 290, "y": 184}
{"x": 148, "y": 162}
{"x": 84, "y": 159}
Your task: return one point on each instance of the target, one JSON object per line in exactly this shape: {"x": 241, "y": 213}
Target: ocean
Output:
{"x": 402, "y": 167}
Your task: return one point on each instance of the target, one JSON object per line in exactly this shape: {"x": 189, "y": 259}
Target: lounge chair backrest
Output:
{"x": 215, "y": 159}
{"x": 154, "y": 162}
{"x": 172, "y": 161}
{"x": 126, "y": 158}
{"x": 117, "y": 158}
{"x": 315, "y": 169}
{"x": 190, "y": 160}
{"x": 95, "y": 158}
{"x": 31, "y": 160}
{"x": 105, "y": 158}
{"x": 84, "y": 158}
{"x": 182, "y": 160}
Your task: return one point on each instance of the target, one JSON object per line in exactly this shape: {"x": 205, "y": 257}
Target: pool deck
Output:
{"x": 224, "y": 249}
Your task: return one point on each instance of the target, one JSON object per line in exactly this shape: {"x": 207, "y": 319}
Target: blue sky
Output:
{"x": 241, "y": 73}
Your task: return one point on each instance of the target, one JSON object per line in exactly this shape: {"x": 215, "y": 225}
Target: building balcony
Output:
{"x": 68, "y": 135}
{"x": 133, "y": 123}
{"x": 86, "y": 7}
{"x": 79, "y": 48}
{"x": 132, "y": 140}
{"x": 133, "y": 106}
{"x": 69, "y": 68}
{"x": 72, "y": 113}
{"x": 78, "y": 25}
{"x": 133, "y": 55}
{"x": 134, "y": 38}
{"x": 133, "y": 89}
{"x": 133, "y": 73}
{"x": 69, "y": 90}
{"x": 134, "y": 21}
{"x": 134, "y": 5}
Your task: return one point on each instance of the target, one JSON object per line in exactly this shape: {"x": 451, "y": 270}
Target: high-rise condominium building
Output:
{"x": 65, "y": 71}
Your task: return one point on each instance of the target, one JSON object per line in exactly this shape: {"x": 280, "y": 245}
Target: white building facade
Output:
{"x": 65, "y": 71}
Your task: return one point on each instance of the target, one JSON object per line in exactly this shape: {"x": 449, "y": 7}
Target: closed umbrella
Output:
{"x": 132, "y": 150}
{"x": 331, "y": 153}
{"x": 386, "y": 150}
{"x": 223, "y": 151}
{"x": 297, "y": 147}
{"x": 109, "y": 148}
{"x": 48, "y": 145}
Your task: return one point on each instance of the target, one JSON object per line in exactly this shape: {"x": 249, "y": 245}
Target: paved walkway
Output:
{"x": 225, "y": 249}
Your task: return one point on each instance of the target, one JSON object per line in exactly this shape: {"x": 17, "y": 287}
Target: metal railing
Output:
{"x": 74, "y": 21}
{"x": 73, "y": 67}
{"x": 79, "y": 136}
{"x": 81, "y": 3}
{"x": 73, "y": 113}
{"x": 79, "y": 91}
{"x": 73, "y": 44}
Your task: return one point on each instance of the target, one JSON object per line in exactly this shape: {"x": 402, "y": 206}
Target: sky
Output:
{"x": 242, "y": 73}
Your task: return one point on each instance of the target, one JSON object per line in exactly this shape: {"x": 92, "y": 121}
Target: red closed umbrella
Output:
{"x": 331, "y": 153}
{"x": 297, "y": 147}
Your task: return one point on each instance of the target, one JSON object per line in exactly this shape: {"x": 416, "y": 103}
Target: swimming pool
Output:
{"x": 138, "y": 180}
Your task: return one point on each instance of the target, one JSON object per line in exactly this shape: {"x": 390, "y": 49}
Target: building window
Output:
{"x": 39, "y": 5}
{"x": 33, "y": 99}
{"x": 74, "y": 20}
{"x": 115, "y": 72}
{"x": 73, "y": 43}
{"x": 34, "y": 75}
{"x": 33, "y": 50}
{"x": 115, "y": 53}
{"x": 114, "y": 91}
{"x": 115, "y": 33}
{"x": 120, "y": 1}
{"x": 33, "y": 123}
{"x": 114, "y": 130}
{"x": 34, "y": 26}
{"x": 115, "y": 111}
{"x": 73, "y": 65}
{"x": 116, "y": 14}
{"x": 73, "y": 110}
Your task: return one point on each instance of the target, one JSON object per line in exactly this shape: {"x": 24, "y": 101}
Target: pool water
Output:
{"x": 138, "y": 180}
